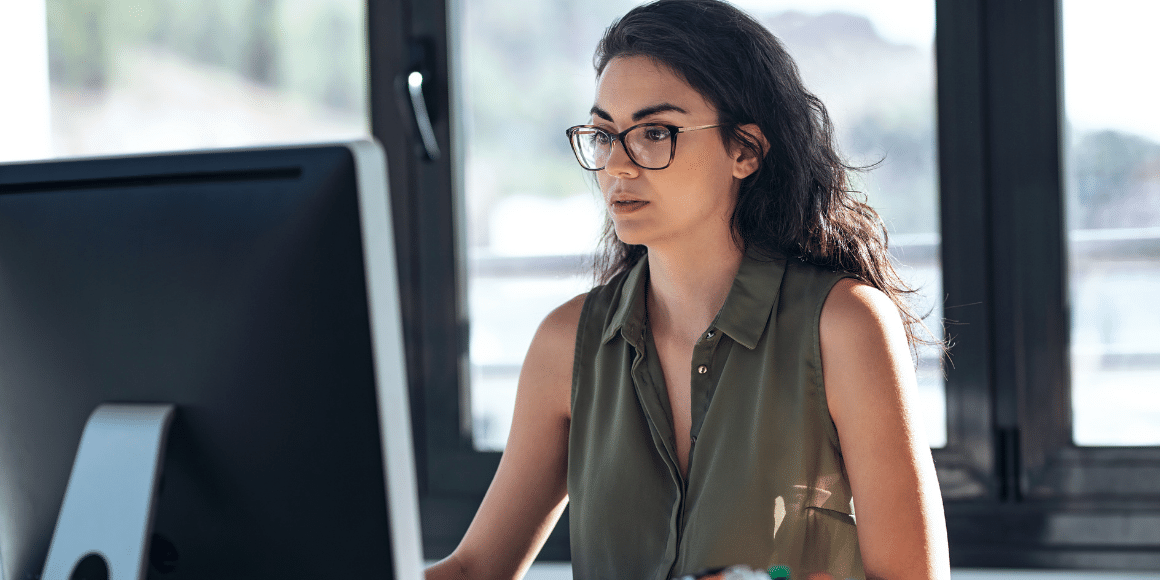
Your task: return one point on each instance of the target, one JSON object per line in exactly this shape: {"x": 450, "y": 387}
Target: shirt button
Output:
{"x": 702, "y": 369}
{"x": 709, "y": 334}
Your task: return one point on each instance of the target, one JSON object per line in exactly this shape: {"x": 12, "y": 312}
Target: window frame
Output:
{"x": 1049, "y": 503}
{"x": 1017, "y": 492}
{"x": 452, "y": 476}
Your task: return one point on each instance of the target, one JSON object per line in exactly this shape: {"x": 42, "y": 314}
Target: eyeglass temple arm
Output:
{"x": 698, "y": 128}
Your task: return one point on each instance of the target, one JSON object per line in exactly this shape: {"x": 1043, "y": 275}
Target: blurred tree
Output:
{"x": 322, "y": 51}
{"x": 1114, "y": 178}
{"x": 78, "y": 43}
{"x": 338, "y": 88}
{"x": 262, "y": 42}
{"x": 315, "y": 48}
{"x": 86, "y": 36}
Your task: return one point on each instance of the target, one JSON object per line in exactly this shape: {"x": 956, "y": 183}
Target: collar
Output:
{"x": 751, "y": 300}
{"x": 746, "y": 311}
{"x": 630, "y": 314}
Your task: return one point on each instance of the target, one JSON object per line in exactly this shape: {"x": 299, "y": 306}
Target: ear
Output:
{"x": 745, "y": 161}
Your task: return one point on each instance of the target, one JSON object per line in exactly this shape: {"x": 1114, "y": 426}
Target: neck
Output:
{"x": 687, "y": 289}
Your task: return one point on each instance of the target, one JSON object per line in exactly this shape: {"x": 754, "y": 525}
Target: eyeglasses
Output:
{"x": 648, "y": 145}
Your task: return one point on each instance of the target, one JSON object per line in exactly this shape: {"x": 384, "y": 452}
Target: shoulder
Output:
{"x": 853, "y": 308}
{"x": 546, "y": 375}
{"x": 809, "y": 284}
{"x": 865, "y": 354}
{"x": 553, "y": 345}
{"x": 561, "y": 323}
{"x": 556, "y": 335}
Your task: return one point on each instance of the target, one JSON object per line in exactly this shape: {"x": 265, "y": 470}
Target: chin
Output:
{"x": 632, "y": 236}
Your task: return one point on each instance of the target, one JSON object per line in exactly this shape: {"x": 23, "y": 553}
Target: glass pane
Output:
{"x": 1113, "y": 218}
{"x": 533, "y": 219}
{"x": 150, "y": 75}
{"x": 528, "y": 76}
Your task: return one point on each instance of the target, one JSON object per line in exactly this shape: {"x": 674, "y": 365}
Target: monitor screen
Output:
{"x": 255, "y": 292}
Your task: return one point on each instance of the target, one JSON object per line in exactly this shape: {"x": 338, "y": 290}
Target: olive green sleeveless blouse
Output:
{"x": 766, "y": 485}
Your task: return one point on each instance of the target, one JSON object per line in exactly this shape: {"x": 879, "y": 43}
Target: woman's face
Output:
{"x": 689, "y": 202}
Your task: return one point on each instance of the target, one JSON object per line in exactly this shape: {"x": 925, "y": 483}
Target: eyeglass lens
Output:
{"x": 648, "y": 145}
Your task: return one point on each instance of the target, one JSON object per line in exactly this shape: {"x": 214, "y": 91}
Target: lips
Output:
{"x": 623, "y": 197}
{"x": 625, "y": 204}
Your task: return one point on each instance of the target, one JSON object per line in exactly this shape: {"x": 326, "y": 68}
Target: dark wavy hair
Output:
{"x": 798, "y": 204}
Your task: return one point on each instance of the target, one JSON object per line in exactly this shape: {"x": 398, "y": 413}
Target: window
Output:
{"x": 1020, "y": 491}
{"x": 1112, "y": 181}
{"x": 139, "y": 76}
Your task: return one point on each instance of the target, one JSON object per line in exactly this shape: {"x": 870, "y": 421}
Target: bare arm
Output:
{"x": 529, "y": 490}
{"x": 870, "y": 389}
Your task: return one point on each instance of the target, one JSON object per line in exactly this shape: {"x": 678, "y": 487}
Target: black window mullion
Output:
{"x": 404, "y": 36}
{"x": 387, "y": 57}
{"x": 441, "y": 271}
{"x": 1030, "y": 314}
{"x": 965, "y": 465}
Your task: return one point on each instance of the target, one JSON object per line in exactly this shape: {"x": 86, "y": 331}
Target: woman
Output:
{"x": 740, "y": 387}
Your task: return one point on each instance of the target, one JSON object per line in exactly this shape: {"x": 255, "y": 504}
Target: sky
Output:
{"x": 1110, "y": 53}
{"x": 899, "y": 21}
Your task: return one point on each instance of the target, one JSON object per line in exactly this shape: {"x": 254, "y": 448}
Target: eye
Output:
{"x": 600, "y": 137}
{"x": 656, "y": 133}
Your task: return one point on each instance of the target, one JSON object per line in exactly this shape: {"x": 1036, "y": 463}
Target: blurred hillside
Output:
{"x": 1114, "y": 181}
{"x": 142, "y": 75}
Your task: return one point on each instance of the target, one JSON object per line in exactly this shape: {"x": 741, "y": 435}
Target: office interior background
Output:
{"x": 1015, "y": 149}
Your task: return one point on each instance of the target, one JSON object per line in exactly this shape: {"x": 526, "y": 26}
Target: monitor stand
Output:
{"x": 107, "y": 514}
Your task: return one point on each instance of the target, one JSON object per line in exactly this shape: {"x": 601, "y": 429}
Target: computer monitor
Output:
{"x": 249, "y": 296}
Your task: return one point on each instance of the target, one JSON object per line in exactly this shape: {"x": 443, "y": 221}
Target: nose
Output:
{"x": 619, "y": 164}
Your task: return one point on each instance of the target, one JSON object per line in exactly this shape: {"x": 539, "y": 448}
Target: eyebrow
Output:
{"x": 641, "y": 114}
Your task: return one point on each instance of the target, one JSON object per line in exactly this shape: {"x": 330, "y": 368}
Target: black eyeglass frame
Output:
{"x": 614, "y": 137}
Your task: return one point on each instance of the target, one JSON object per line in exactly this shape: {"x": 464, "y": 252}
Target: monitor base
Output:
{"x": 108, "y": 505}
